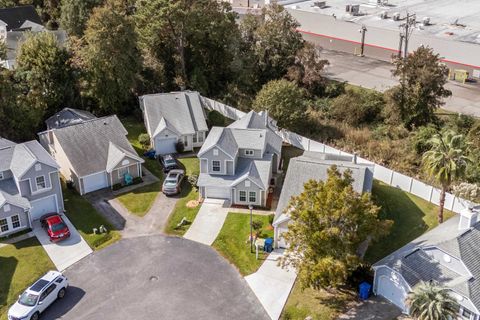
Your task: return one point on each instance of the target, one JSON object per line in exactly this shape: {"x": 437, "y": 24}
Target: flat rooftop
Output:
{"x": 449, "y": 19}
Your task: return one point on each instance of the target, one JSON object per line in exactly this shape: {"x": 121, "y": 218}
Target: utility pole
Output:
{"x": 405, "y": 33}
{"x": 363, "y": 30}
{"x": 400, "y": 45}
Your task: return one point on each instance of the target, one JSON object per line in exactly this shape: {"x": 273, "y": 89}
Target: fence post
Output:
{"x": 411, "y": 184}
{"x": 391, "y": 177}
{"x": 431, "y": 194}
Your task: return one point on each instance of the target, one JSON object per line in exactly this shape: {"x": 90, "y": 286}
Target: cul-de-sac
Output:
{"x": 239, "y": 159}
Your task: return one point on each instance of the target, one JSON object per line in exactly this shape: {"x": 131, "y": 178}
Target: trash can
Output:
{"x": 268, "y": 247}
{"x": 364, "y": 290}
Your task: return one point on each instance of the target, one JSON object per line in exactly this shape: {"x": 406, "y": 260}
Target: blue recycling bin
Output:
{"x": 364, "y": 290}
{"x": 268, "y": 247}
{"x": 150, "y": 154}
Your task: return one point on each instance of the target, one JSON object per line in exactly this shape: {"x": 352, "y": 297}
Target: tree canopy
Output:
{"x": 421, "y": 90}
{"x": 329, "y": 221}
{"x": 429, "y": 301}
{"x": 74, "y": 15}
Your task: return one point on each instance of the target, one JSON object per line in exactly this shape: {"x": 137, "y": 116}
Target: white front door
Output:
{"x": 95, "y": 182}
{"x": 392, "y": 291}
{"x": 43, "y": 206}
{"x": 217, "y": 193}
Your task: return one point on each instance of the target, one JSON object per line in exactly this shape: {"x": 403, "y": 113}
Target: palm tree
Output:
{"x": 429, "y": 301}
{"x": 446, "y": 161}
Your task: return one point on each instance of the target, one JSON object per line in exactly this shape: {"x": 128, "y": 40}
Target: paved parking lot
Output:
{"x": 156, "y": 277}
{"x": 67, "y": 252}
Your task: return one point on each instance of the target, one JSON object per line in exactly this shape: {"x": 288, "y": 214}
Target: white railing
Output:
{"x": 388, "y": 176}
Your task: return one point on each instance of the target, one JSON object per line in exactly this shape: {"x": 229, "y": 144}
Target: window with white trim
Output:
{"x": 125, "y": 162}
{"x": 194, "y": 140}
{"x": 215, "y": 152}
{"x": 252, "y": 196}
{"x": 3, "y": 225}
{"x": 242, "y": 196}
{"x": 185, "y": 141}
{"x": 123, "y": 171}
{"x": 38, "y": 167}
{"x": 249, "y": 152}
{"x": 200, "y": 136}
{"x": 216, "y": 166}
{"x": 247, "y": 183}
{"x": 15, "y": 222}
{"x": 6, "y": 207}
{"x": 40, "y": 182}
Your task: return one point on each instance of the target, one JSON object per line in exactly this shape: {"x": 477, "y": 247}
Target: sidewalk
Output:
{"x": 272, "y": 284}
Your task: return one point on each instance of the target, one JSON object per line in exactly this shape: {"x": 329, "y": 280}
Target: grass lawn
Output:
{"x": 191, "y": 166}
{"x": 412, "y": 217}
{"x": 20, "y": 265}
{"x": 140, "y": 200}
{"x": 320, "y": 305}
{"x": 85, "y": 218}
{"x": 233, "y": 244}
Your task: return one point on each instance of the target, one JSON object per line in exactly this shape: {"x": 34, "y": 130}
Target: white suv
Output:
{"x": 39, "y": 296}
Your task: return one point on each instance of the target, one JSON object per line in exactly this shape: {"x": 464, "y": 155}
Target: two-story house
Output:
{"x": 29, "y": 185}
{"x": 237, "y": 162}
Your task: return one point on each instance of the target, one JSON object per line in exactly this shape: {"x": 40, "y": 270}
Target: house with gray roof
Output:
{"x": 93, "y": 154}
{"x": 315, "y": 166}
{"x": 237, "y": 162}
{"x": 172, "y": 117}
{"x": 67, "y": 117}
{"x": 448, "y": 255}
{"x": 29, "y": 185}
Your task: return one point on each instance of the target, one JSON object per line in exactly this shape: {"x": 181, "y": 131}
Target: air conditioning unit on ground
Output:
{"x": 353, "y": 9}
{"x": 320, "y": 4}
{"x": 396, "y": 16}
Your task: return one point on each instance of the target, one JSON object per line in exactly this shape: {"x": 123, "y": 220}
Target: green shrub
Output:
{"x": 216, "y": 119}
{"x": 461, "y": 123}
{"x": 137, "y": 180}
{"x": 179, "y": 146}
{"x": 98, "y": 242}
{"x": 116, "y": 186}
{"x": 144, "y": 140}
{"x": 420, "y": 140}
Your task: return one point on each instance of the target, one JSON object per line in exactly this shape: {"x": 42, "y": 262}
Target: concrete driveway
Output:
{"x": 156, "y": 277}
{"x": 272, "y": 284}
{"x": 208, "y": 222}
{"x": 67, "y": 252}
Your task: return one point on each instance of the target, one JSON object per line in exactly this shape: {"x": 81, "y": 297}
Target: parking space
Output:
{"x": 65, "y": 253}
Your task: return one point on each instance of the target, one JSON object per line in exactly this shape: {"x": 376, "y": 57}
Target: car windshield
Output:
{"x": 170, "y": 182}
{"x": 170, "y": 161}
{"x": 28, "y": 299}
{"x": 58, "y": 227}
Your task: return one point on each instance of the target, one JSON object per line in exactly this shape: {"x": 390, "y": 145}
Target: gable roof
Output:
{"x": 461, "y": 244}
{"x": 15, "y": 17}
{"x": 67, "y": 117}
{"x": 5, "y": 143}
{"x": 88, "y": 144}
{"x": 181, "y": 112}
{"x": 21, "y": 157}
{"x": 254, "y": 120}
{"x": 9, "y": 194}
{"x": 117, "y": 154}
{"x": 315, "y": 165}
{"x": 222, "y": 138}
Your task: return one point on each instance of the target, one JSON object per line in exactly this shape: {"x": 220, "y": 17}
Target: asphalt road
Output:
{"x": 156, "y": 277}
{"x": 375, "y": 74}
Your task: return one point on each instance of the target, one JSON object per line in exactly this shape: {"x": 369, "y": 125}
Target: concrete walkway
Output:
{"x": 16, "y": 239}
{"x": 208, "y": 222}
{"x": 272, "y": 284}
{"x": 66, "y": 252}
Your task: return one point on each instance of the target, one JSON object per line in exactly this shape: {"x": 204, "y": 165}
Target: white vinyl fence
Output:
{"x": 390, "y": 177}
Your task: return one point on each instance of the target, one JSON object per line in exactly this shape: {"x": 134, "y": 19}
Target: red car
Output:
{"x": 56, "y": 228}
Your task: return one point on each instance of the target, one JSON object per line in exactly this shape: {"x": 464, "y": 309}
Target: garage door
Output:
{"x": 43, "y": 206}
{"x": 165, "y": 146}
{"x": 392, "y": 291}
{"x": 95, "y": 182}
{"x": 217, "y": 193}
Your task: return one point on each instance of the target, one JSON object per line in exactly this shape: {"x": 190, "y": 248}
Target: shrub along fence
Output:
{"x": 390, "y": 177}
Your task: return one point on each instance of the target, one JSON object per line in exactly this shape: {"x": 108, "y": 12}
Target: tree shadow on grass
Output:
{"x": 407, "y": 216}
{"x": 8, "y": 266}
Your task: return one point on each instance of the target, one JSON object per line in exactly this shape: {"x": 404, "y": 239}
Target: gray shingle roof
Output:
{"x": 10, "y": 194}
{"x": 26, "y": 154}
{"x": 257, "y": 170}
{"x": 87, "y": 144}
{"x": 5, "y": 143}
{"x": 15, "y": 17}
{"x": 314, "y": 165}
{"x": 254, "y": 120}
{"x": 462, "y": 244}
{"x": 222, "y": 138}
{"x": 67, "y": 117}
{"x": 183, "y": 111}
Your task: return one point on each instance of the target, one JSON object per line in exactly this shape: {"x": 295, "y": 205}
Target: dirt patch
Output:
{"x": 192, "y": 204}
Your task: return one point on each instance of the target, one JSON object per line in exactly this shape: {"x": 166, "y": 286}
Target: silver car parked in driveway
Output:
{"x": 173, "y": 182}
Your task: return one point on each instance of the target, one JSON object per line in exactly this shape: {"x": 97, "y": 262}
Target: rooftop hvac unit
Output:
{"x": 396, "y": 16}
{"x": 320, "y": 4}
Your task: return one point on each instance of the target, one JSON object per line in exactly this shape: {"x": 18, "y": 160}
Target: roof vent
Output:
{"x": 105, "y": 123}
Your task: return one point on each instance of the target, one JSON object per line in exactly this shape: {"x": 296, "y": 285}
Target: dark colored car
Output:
{"x": 56, "y": 228}
{"x": 173, "y": 182}
{"x": 168, "y": 162}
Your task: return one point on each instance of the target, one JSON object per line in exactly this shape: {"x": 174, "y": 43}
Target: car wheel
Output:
{"x": 61, "y": 293}
{"x": 35, "y": 316}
